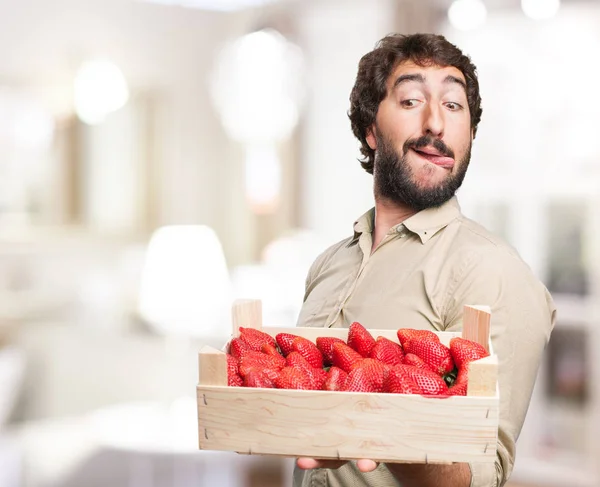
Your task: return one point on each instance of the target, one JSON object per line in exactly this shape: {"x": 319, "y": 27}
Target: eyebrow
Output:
{"x": 419, "y": 78}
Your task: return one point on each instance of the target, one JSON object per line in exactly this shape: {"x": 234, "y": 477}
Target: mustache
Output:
{"x": 428, "y": 140}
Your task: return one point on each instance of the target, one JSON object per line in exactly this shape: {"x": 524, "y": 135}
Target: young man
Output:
{"x": 414, "y": 260}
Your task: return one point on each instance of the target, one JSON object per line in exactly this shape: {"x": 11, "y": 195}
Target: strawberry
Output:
{"x": 235, "y": 381}
{"x": 464, "y": 351}
{"x": 435, "y": 354}
{"x": 360, "y": 339}
{"x": 458, "y": 389}
{"x": 412, "y": 359}
{"x": 429, "y": 382}
{"x": 336, "y": 379}
{"x": 256, "y": 378}
{"x": 399, "y": 382}
{"x": 238, "y": 347}
{"x": 360, "y": 380}
{"x": 270, "y": 350}
{"x": 325, "y": 345}
{"x": 375, "y": 371}
{"x": 255, "y": 338}
{"x": 344, "y": 356}
{"x": 293, "y": 378}
{"x": 259, "y": 361}
{"x": 309, "y": 351}
{"x": 233, "y": 376}
{"x": 284, "y": 340}
{"x": 317, "y": 376}
{"x": 405, "y": 334}
{"x": 232, "y": 365}
{"x": 387, "y": 351}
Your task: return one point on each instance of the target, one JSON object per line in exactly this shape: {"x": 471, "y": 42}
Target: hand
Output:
{"x": 363, "y": 465}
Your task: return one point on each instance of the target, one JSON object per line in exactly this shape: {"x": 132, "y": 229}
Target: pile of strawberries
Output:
{"x": 418, "y": 364}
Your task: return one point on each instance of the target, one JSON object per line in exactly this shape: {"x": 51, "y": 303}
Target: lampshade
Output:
{"x": 257, "y": 87}
{"x": 100, "y": 89}
{"x": 185, "y": 286}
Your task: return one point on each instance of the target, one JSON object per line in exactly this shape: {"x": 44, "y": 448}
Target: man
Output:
{"x": 414, "y": 260}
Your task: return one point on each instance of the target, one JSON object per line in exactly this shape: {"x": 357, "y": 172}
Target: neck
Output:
{"x": 387, "y": 215}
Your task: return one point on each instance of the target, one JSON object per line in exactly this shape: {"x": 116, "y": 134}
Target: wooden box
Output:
{"x": 349, "y": 425}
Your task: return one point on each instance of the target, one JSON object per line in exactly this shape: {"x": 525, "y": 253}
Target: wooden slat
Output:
{"x": 213, "y": 367}
{"x": 476, "y": 324}
{"x": 483, "y": 377}
{"x": 246, "y": 313}
{"x": 322, "y": 424}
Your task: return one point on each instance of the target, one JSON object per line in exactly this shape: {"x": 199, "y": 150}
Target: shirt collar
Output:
{"x": 425, "y": 223}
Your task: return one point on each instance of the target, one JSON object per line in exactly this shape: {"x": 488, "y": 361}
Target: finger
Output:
{"x": 365, "y": 465}
{"x": 306, "y": 463}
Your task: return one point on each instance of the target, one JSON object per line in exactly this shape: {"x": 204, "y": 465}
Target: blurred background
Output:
{"x": 159, "y": 159}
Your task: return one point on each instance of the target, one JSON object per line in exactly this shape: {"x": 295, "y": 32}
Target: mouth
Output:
{"x": 434, "y": 157}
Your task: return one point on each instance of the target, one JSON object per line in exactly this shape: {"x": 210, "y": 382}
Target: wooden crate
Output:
{"x": 350, "y": 425}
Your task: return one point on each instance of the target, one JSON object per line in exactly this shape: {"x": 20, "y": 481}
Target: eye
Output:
{"x": 453, "y": 106}
{"x": 409, "y": 103}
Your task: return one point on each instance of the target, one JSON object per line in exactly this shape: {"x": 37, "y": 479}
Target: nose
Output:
{"x": 433, "y": 122}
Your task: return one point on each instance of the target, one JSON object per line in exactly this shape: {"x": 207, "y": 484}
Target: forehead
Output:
{"x": 434, "y": 73}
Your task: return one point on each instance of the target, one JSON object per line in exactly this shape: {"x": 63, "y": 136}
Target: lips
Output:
{"x": 435, "y": 157}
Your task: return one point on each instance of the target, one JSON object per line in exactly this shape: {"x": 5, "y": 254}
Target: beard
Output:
{"x": 395, "y": 180}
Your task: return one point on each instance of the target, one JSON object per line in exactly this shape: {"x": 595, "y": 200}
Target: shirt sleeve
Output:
{"x": 523, "y": 316}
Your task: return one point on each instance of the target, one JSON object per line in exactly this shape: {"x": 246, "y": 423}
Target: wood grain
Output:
{"x": 246, "y": 313}
{"x": 476, "y": 324}
{"x": 322, "y": 424}
{"x": 213, "y": 367}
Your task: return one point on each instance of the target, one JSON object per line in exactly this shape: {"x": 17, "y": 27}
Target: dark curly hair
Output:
{"x": 376, "y": 66}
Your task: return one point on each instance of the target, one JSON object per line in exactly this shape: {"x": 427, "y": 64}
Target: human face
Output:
{"x": 422, "y": 136}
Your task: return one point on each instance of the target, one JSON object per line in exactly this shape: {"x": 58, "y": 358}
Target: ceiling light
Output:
{"x": 467, "y": 14}
{"x": 540, "y": 9}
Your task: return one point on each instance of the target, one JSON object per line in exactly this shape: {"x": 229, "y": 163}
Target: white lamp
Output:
{"x": 185, "y": 286}
{"x": 100, "y": 89}
{"x": 257, "y": 90}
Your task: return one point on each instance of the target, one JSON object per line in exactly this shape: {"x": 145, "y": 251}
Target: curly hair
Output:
{"x": 376, "y": 66}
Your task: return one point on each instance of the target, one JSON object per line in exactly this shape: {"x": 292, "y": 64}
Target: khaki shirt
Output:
{"x": 420, "y": 276}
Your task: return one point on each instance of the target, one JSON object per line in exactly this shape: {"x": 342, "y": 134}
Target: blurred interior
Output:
{"x": 159, "y": 159}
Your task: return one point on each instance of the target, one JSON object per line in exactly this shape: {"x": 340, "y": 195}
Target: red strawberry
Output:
{"x": 375, "y": 370}
{"x": 270, "y": 350}
{"x": 235, "y": 380}
{"x": 284, "y": 340}
{"x": 360, "y": 380}
{"x": 458, "y": 389}
{"x": 293, "y": 378}
{"x": 238, "y": 347}
{"x": 405, "y": 334}
{"x": 429, "y": 382}
{"x": 309, "y": 351}
{"x": 360, "y": 339}
{"x": 325, "y": 345}
{"x": 435, "y": 354}
{"x": 465, "y": 351}
{"x": 232, "y": 365}
{"x": 344, "y": 356}
{"x": 256, "y": 378}
{"x": 336, "y": 380}
{"x": 387, "y": 351}
{"x": 399, "y": 382}
{"x": 255, "y": 338}
{"x": 233, "y": 376}
{"x": 259, "y": 361}
{"x": 412, "y": 359}
{"x": 317, "y": 376}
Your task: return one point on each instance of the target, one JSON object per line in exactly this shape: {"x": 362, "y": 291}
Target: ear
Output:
{"x": 372, "y": 137}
